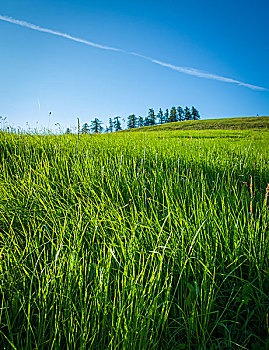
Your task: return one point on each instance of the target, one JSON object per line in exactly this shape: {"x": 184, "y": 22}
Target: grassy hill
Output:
{"x": 226, "y": 124}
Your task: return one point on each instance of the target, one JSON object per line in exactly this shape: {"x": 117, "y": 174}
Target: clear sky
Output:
{"x": 42, "y": 72}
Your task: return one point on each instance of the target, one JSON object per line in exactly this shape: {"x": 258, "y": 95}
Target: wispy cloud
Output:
{"x": 63, "y": 35}
{"x": 185, "y": 70}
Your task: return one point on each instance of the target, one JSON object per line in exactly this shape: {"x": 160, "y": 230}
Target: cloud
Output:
{"x": 185, "y": 70}
{"x": 199, "y": 73}
{"x": 63, "y": 35}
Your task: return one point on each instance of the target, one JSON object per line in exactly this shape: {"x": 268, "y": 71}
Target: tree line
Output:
{"x": 174, "y": 115}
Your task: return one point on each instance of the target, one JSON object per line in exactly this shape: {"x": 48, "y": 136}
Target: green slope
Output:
{"x": 227, "y": 124}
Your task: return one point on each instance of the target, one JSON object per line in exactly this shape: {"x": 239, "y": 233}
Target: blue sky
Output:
{"x": 41, "y": 72}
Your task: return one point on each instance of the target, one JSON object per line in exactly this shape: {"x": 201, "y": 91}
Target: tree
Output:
{"x": 117, "y": 124}
{"x": 68, "y": 131}
{"x": 140, "y": 122}
{"x": 151, "y": 117}
{"x": 96, "y": 126}
{"x": 147, "y": 121}
{"x": 195, "y": 114}
{"x": 187, "y": 113}
{"x": 160, "y": 116}
{"x": 180, "y": 114}
{"x": 131, "y": 124}
{"x": 173, "y": 115}
{"x": 110, "y": 127}
{"x": 166, "y": 116}
{"x": 85, "y": 129}
{"x": 107, "y": 129}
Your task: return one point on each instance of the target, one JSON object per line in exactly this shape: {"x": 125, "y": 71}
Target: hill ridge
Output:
{"x": 242, "y": 123}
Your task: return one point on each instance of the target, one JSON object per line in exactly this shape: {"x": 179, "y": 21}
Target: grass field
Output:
{"x": 139, "y": 240}
{"x": 246, "y": 123}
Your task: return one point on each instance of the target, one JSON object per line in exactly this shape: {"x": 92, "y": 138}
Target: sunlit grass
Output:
{"x": 134, "y": 241}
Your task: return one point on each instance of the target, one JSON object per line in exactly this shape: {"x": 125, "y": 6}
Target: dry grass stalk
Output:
{"x": 266, "y": 195}
{"x": 251, "y": 193}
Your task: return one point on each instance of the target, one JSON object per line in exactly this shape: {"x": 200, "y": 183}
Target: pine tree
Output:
{"x": 117, "y": 124}
{"x": 131, "y": 124}
{"x": 110, "y": 125}
{"x": 68, "y": 131}
{"x": 147, "y": 121}
{"x": 166, "y": 116}
{"x": 173, "y": 115}
{"x": 140, "y": 122}
{"x": 195, "y": 114}
{"x": 180, "y": 114}
{"x": 160, "y": 116}
{"x": 96, "y": 126}
{"x": 85, "y": 129}
{"x": 152, "y": 117}
{"x": 187, "y": 114}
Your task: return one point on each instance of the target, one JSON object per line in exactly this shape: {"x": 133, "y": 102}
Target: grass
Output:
{"x": 134, "y": 240}
{"x": 221, "y": 124}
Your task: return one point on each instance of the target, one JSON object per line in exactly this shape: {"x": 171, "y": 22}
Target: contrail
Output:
{"x": 45, "y": 30}
{"x": 185, "y": 70}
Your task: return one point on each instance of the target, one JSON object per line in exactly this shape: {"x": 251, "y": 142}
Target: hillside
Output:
{"x": 226, "y": 124}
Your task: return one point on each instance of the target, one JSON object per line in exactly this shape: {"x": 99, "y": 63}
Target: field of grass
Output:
{"x": 246, "y": 123}
{"x": 139, "y": 240}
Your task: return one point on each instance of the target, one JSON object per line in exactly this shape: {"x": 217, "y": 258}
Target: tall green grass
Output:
{"x": 134, "y": 241}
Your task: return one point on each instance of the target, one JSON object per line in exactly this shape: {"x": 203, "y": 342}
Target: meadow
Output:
{"x": 142, "y": 240}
